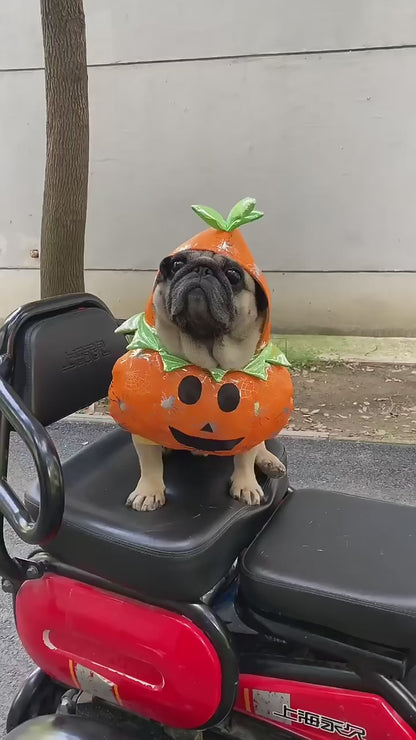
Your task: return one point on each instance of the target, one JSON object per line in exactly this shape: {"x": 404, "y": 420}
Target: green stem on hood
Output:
{"x": 242, "y": 213}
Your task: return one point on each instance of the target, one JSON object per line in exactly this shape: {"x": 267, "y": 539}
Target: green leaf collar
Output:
{"x": 144, "y": 337}
{"x": 242, "y": 213}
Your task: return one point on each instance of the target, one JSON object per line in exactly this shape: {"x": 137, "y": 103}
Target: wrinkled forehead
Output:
{"x": 192, "y": 255}
{"x": 221, "y": 260}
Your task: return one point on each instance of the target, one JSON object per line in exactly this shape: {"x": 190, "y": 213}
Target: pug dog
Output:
{"x": 210, "y": 311}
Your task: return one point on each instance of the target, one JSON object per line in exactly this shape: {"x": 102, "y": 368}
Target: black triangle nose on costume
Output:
{"x": 207, "y": 428}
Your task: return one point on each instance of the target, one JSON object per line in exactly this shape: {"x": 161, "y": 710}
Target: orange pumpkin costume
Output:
{"x": 167, "y": 401}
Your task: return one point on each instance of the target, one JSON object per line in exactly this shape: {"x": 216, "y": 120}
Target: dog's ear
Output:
{"x": 261, "y": 299}
{"x": 164, "y": 267}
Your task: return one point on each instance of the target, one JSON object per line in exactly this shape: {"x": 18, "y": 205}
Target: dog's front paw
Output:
{"x": 269, "y": 464}
{"x": 246, "y": 490}
{"x": 146, "y": 497}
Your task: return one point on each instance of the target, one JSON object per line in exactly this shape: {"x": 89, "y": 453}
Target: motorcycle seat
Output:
{"x": 337, "y": 561}
{"x": 178, "y": 552}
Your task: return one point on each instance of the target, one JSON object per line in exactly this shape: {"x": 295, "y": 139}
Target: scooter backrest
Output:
{"x": 63, "y": 351}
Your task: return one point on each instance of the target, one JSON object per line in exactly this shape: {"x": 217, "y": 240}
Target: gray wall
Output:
{"x": 308, "y": 105}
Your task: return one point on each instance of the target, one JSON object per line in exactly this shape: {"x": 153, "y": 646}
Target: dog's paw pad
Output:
{"x": 250, "y": 494}
{"x": 271, "y": 466}
{"x": 145, "y": 502}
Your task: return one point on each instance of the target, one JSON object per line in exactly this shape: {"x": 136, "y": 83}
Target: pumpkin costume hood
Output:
{"x": 224, "y": 237}
{"x": 167, "y": 401}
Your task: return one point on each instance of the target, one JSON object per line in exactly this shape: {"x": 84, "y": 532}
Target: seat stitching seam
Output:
{"x": 334, "y": 597}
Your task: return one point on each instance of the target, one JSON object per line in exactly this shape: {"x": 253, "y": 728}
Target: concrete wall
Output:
{"x": 308, "y": 106}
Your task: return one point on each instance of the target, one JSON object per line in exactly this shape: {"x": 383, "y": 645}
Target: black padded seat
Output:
{"x": 337, "y": 561}
{"x": 177, "y": 552}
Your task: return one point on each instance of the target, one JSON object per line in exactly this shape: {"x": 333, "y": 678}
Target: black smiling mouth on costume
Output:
{"x": 204, "y": 445}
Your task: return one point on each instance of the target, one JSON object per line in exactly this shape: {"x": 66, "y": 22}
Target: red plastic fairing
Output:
{"x": 320, "y": 712}
{"x": 150, "y": 661}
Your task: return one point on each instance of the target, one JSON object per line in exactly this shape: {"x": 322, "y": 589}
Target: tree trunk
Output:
{"x": 67, "y": 148}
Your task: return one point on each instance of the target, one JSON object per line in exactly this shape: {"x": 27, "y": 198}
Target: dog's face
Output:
{"x": 207, "y": 295}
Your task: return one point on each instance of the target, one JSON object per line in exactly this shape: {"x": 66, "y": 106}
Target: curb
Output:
{"x": 101, "y": 418}
{"x": 322, "y": 436}
{"x": 307, "y": 434}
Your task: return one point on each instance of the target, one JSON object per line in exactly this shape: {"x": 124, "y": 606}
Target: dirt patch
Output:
{"x": 348, "y": 401}
{"x": 356, "y": 402}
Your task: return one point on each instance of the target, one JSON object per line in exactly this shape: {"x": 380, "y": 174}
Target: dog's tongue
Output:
{"x": 230, "y": 244}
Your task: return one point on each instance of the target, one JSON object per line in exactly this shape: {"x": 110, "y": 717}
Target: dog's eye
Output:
{"x": 233, "y": 276}
{"x": 176, "y": 265}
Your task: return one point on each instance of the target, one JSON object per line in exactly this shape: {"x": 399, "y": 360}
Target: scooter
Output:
{"x": 206, "y": 618}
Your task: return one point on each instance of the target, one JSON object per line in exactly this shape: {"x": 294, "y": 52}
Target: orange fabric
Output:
{"x": 148, "y": 401}
{"x": 233, "y": 245}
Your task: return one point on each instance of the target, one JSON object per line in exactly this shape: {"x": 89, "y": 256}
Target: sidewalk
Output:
{"x": 361, "y": 388}
{"x": 385, "y": 350}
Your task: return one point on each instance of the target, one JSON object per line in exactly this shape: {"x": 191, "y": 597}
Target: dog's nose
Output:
{"x": 203, "y": 270}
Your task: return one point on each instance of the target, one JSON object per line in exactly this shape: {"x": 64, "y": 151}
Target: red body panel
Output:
{"x": 150, "y": 661}
{"x": 320, "y": 712}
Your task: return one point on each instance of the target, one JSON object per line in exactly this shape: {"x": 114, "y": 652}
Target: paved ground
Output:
{"x": 383, "y": 471}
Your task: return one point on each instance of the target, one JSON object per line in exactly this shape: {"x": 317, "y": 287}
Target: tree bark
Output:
{"x": 67, "y": 148}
